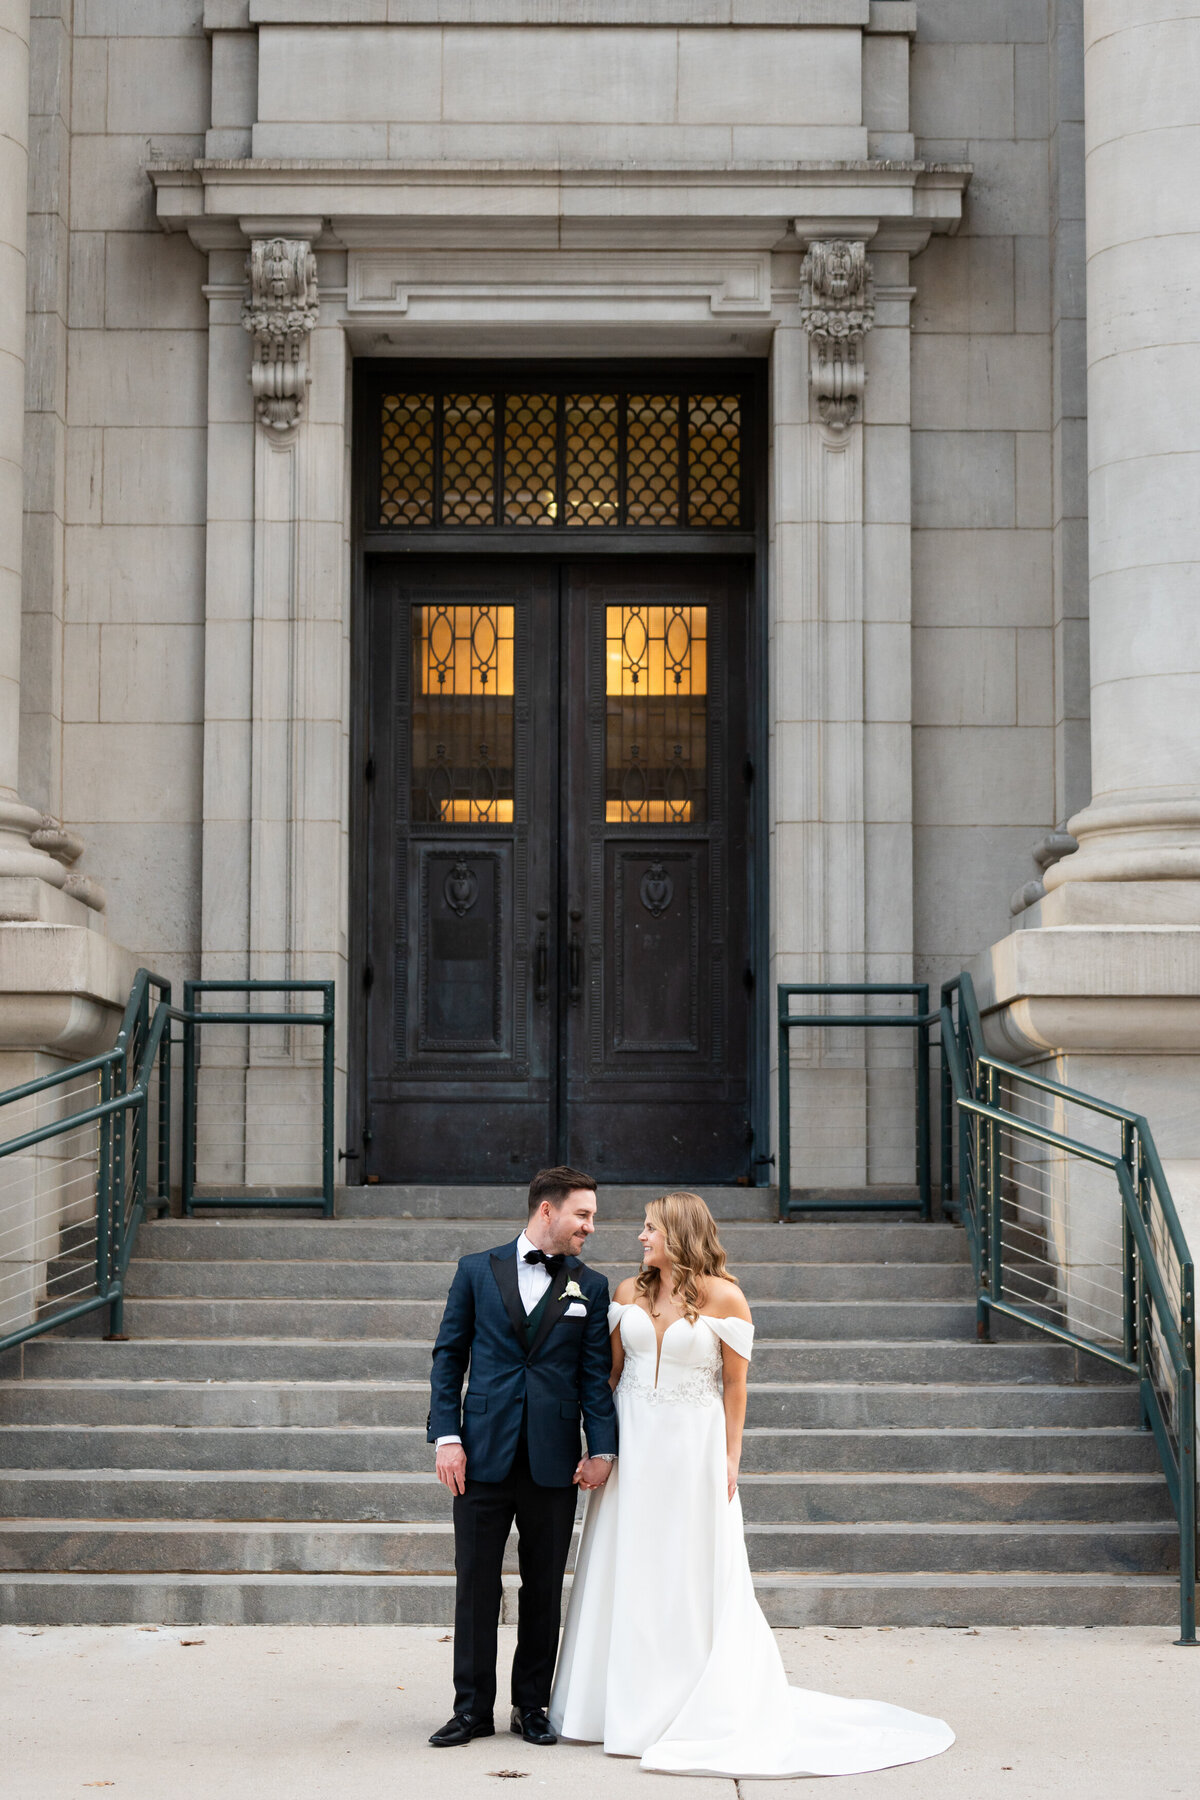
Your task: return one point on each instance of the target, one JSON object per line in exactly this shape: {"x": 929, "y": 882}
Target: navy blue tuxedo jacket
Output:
{"x": 563, "y": 1375}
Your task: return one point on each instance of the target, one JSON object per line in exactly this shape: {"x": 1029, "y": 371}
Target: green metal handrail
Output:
{"x": 195, "y": 1017}
{"x": 1151, "y": 1316}
{"x": 920, "y": 1021}
{"x": 122, "y": 1114}
{"x": 125, "y": 1191}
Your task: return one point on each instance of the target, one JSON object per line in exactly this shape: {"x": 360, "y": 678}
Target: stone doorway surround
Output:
{"x": 313, "y": 265}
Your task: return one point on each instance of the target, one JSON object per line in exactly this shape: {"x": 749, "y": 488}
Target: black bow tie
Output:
{"x": 553, "y": 1263}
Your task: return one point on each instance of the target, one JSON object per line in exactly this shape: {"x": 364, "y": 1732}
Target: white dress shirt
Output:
{"x": 532, "y": 1281}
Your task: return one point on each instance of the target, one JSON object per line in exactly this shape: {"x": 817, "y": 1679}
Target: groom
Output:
{"x": 531, "y": 1321}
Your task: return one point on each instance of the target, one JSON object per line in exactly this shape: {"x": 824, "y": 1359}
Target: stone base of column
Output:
{"x": 1098, "y": 986}
{"x": 63, "y": 982}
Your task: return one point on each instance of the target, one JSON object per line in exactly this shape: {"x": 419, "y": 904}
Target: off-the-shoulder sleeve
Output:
{"x": 737, "y": 1333}
{"x": 615, "y": 1309}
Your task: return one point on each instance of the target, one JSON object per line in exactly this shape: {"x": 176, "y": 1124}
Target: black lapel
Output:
{"x": 504, "y": 1268}
{"x": 554, "y": 1307}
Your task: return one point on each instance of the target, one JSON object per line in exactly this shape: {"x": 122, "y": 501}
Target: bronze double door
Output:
{"x": 557, "y": 870}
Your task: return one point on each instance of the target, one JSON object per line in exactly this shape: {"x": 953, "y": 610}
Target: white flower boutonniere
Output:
{"x": 572, "y": 1291}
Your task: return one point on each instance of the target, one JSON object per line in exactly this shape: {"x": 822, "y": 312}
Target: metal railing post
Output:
{"x": 104, "y": 1195}
{"x": 1129, "y": 1294}
{"x": 924, "y": 1133}
{"x": 164, "y": 1118}
{"x": 946, "y": 1144}
{"x": 327, "y": 1074}
{"x": 1185, "y": 1401}
{"x": 785, "y": 1113}
{"x": 188, "y": 1172}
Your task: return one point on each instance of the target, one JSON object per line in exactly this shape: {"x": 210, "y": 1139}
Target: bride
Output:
{"x": 665, "y": 1654}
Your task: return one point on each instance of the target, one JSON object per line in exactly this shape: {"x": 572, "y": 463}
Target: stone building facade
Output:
{"x": 912, "y": 239}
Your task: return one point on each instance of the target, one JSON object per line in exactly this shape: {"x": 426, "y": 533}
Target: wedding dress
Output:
{"x": 666, "y": 1654}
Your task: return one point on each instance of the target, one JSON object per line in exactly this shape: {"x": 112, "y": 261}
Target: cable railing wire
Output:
{"x": 85, "y": 1153}
{"x": 1072, "y": 1230}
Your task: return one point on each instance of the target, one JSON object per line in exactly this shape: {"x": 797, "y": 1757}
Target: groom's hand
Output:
{"x": 451, "y": 1466}
{"x": 592, "y": 1473}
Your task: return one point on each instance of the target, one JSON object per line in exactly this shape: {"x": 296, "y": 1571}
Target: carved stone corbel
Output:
{"x": 279, "y": 312}
{"x": 837, "y": 309}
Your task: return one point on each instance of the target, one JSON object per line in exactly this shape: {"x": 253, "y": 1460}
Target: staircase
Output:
{"x": 256, "y": 1453}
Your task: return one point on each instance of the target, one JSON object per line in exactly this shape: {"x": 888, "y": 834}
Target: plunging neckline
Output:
{"x": 660, "y": 1341}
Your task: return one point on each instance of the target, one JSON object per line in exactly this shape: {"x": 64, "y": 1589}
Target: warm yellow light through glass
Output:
{"x": 463, "y": 650}
{"x": 656, "y": 651}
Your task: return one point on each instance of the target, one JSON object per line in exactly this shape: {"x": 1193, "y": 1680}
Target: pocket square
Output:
{"x": 576, "y": 1310}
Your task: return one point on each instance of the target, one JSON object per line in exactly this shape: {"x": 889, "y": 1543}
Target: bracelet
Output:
{"x": 603, "y": 1455}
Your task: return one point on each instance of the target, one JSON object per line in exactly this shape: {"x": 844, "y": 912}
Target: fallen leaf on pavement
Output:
{"x": 99, "y": 1784}
{"x": 187, "y": 1643}
{"x": 448, "y": 1639}
{"x": 509, "y": 1774}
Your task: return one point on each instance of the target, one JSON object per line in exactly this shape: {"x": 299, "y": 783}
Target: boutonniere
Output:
{"x": 572, "y": 1291}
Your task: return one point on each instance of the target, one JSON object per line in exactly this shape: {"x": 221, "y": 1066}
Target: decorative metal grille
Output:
{"x": 407, "y": 482}
{"x": 462, "y": 715}
{"x": 668, "y": 461}
{"x": 657, "y": 715}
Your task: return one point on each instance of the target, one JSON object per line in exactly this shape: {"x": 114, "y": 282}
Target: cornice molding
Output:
{"x": 528, "y": 205}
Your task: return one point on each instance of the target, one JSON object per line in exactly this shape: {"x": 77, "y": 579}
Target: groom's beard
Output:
{"x": 568, "y": 1242}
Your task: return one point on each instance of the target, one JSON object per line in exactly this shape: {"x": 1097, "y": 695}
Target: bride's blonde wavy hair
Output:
{"x": 692, "y": 1244}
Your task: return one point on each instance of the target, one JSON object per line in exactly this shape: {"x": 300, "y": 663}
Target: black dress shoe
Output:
{"x": 460, "y": 1730}
{"x": 531, "y": 1723}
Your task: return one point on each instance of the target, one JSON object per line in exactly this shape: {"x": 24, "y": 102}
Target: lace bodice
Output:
{"x": 689, "y": 1365}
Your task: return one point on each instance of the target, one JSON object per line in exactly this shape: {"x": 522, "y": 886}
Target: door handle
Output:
{"x": 541, "y": 963}
{"x": 575, "y": 961}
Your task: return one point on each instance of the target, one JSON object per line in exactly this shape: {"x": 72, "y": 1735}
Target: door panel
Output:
{"x": 557, "y": 885}
{"x": 461, "y": 877}
{"x": 654, "y": 1055}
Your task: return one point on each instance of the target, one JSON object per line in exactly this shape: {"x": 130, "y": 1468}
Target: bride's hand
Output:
{"x": 731, "y": 1472}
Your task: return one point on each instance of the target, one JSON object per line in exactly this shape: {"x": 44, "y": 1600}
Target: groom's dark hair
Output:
{"x": 555, "y": 1184}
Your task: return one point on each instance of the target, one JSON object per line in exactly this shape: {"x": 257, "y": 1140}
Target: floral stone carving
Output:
{"x": 837, "y": 309}
{"x": 279, "y": 312}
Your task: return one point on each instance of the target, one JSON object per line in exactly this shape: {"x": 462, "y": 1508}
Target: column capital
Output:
{"x": 279, "y": 312}
{"x": 837, "y": 309}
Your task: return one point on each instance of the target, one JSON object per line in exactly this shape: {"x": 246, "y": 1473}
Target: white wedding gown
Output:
{"x": 666, "y": 1654}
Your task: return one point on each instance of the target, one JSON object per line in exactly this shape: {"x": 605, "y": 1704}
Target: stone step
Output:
{"x": 847, "y": 1600}
{"x": 501, "y": 1204}
{"x": 353, "y": 1320}
{"x": 445, "y": 1240}
{"x": 197, "y": 1546}
{"x": 834, "y": 1405}
{"x": 833, "y": 1497}
{"x": 403, "y": 1448}
{"x": 154, "y": 1278}
{"x": 307, "y": 1359}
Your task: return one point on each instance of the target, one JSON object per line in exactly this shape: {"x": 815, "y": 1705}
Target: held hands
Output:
{"x": 591, "y": 1473}
{"x": 731, "y": 1474}
{"x": 451, "y": 1467}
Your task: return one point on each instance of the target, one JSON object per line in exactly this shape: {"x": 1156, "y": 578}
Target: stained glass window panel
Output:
{"x": 714, "y": 459}
{"x": 656, "y": 729}
{"x": 652, "y": 459}
{"x": 468, "y": 459}
{"x": 462, "y": 714}
{"x": 406, "y": 473}
{"x": 530, "y": 459}
{"x": 593, "y": 425}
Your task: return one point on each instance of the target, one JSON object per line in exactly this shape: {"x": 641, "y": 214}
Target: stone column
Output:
{"x": 1142, "y": 101}
{"x": 17, "y": 823}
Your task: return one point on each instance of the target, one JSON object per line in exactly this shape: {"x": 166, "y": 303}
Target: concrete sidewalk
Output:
{"x": 297, "y": 1713}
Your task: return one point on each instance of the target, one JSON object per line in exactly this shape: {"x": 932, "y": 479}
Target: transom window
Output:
{"x": 651, "y": 455}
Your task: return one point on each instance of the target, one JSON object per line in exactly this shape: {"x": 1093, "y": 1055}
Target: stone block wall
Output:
{"x": 999, "y": 664}
{"x": 132, "y": 698}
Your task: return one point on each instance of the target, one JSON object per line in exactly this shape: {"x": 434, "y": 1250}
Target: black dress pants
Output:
{"x": 483, "y": 1516}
